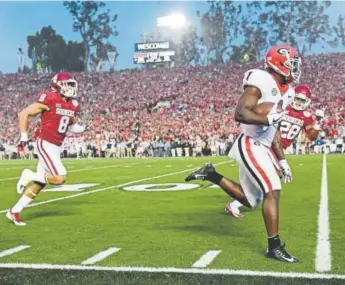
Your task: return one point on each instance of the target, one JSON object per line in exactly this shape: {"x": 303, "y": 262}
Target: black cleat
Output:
{"x": 201, "y": 173}
{"x": 279, "y": 253}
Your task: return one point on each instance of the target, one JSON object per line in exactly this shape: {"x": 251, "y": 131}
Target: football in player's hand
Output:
{"x": 263, "y": 108}
{"x": 312, "y": 134}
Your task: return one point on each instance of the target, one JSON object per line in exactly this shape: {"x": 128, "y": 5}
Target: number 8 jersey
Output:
{"x": 292, "y": 124}
{"x": 61, "y": 114}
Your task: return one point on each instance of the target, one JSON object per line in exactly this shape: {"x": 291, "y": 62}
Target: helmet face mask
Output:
{"x": 65, "y": 84}
{"x": 302, "y": 98}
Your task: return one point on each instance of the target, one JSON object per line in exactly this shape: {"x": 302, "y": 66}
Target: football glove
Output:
{"x": 286, "y": 170}
{"x": 276, "y": 114}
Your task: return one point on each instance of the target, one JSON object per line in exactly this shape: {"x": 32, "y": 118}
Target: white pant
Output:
{"x": 258, "y": 168}
{"x": 49, "y": 159}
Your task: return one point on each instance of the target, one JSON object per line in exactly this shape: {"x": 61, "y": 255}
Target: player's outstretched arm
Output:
{"x": 24, "y": 115}
{"x": 244, "y": 109}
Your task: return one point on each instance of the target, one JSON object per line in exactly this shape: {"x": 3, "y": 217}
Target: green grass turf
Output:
{"x": 168, "y": 229}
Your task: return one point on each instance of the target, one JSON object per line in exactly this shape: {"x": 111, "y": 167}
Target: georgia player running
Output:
{"x": 58, "y": 109}
{"x": 292, "y": 123}
{"x": 251, "y": 150}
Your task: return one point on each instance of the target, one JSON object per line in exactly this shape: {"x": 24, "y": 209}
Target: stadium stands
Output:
{"x": 170, "y": 109}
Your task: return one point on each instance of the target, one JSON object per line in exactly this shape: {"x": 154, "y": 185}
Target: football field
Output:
{"x": 135, "y": 221}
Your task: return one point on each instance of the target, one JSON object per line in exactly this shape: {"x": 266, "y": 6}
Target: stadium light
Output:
{"x": 175, "y": 21}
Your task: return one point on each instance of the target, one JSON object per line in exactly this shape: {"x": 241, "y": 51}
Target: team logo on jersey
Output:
{"x": 256, "y": 143}
{"x": 274, "y": 91}
{"x": 75, "y": 103}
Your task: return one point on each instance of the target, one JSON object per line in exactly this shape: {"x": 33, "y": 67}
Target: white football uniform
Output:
{"x": 270, "y": 92}
{"x": 259, "y": 168}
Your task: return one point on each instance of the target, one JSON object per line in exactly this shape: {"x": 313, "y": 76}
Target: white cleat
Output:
{"x": 233, "y": 211}
{"x": 24, "y": 180}
{"x": 15, "y": 218}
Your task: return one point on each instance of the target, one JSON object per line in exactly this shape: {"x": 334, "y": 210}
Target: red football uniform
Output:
{"x": 36, "y": 134}
{"x": 292, "y": 124}
{"x": 61, "y": 114}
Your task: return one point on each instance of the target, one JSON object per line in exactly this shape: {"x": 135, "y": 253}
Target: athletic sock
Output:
{"x": 21, "y": 204}
{"x": 214, "y": 177}
{"x": 273, "y": 242}
{"x": 236, "y": 204}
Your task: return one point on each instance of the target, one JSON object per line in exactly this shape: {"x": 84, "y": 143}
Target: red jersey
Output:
{"x": 292, "y": 124}
{"x": 36, "y": 134}
{"x": 61, "y": 114}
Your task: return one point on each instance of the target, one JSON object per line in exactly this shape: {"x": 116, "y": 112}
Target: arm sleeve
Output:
{"x": 253, "y": 77}
{"x": 44, "y": 98}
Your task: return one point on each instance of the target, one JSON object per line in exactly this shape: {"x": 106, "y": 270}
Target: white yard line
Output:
{"x": 100, "y": 256}
{"x": 110, "y": 187}
{"x": 323, "y": 247}
{"x": 305, "y": 275}
{"x": 206, "y": 259}
{"x": 89, "y": 168}
{"x": 13, "y": 250}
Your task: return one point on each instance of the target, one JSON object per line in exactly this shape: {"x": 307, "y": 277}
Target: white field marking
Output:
{"x": 13, "y": 250}
{"x": 189, "y": 165}
{"x": 110, "y": 187}
{"x": 88, "y": 169}
{"x": 12, "y": 168}
{"x": 206, "y": 259}
{"x": 323, "y": 247}
{"x": 168, "y": 165}
{"x": 305, "y": 275}
{"x": 100, "y": 256}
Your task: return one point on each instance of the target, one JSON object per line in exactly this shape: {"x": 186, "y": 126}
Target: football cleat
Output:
{"x": 24, "y": 180}
{"x": 15, "y": 218}
{"x": 279, "y": 253}
{"x": 233, "y": 211}
{"x": 201, "y": 173}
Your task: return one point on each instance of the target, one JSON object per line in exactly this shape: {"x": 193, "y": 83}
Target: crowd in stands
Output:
{"x": 165, "y": 112}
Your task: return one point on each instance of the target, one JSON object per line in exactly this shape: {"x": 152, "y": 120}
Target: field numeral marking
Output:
{"x": 13, "y": 250}
{"x": 206, "y": 259}
{"x": 100, "y": 256}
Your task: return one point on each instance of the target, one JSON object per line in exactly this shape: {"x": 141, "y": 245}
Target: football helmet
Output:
{"x": 302, "y": 98}
{"x": 65, "y": 84}
{"x": 284, "y": 60}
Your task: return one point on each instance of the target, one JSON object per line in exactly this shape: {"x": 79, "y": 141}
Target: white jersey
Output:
{"x": 270, "y": 92}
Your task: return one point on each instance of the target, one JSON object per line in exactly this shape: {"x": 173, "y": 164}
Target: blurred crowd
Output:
{"x": 166, "y": 112}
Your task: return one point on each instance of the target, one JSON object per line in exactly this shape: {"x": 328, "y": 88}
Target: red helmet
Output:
{"x": 284, "y": 60}
{"x": 302, "y": 98}
{"x": 65, "y": 84}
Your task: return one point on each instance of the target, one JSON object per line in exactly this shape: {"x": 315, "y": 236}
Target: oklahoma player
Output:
{"x": 58, "y": 109}
{"x": 298, "y": 118}
{"x": 292, "y": 123}
{"x": 251, "y": 150}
